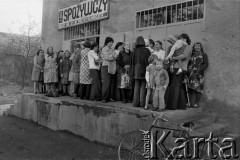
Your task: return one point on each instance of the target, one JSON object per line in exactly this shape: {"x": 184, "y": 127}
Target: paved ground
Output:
{"x": 20, "y": 139}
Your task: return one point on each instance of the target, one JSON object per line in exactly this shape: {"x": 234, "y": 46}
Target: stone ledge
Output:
{"x": 96, "y": 121}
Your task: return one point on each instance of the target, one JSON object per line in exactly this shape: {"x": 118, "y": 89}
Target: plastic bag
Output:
{"x": 125, "y": 81}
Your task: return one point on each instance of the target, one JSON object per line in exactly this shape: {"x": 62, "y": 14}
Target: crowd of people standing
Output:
{"x": 140, "y": 73}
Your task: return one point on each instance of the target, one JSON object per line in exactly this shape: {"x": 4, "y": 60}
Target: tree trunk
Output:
{"x": 24, "y": 72}
{"x": 23, "y": 79}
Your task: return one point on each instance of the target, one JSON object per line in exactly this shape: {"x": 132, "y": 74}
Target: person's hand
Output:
{"x": 165, "y": 87}
{"x": 126, "y": 67}
{"x": 167, "y": 59}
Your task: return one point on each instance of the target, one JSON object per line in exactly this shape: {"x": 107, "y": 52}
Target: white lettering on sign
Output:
{"x": 86, "y": 11}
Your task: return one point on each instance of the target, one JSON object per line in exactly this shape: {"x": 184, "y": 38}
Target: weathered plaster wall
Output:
{"x": 105, "y": 123}
{"x": 222, "y": 39}
{"x": 221, "y": 43}
{"x": 51, "y": 36}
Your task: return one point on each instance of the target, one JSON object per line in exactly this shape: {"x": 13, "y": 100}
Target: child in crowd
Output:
{"x": 150, "y": 77}
{"x": 176, "y": 50}
{"x": 65, "y": 67}
{"x": 160, "y": 83}
{"x": 148, "y": 45}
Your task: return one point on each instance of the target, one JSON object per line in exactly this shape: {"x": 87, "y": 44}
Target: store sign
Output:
{"x": 83, "y": 12}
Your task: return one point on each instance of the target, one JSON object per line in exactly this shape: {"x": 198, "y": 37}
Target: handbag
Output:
{"x": 125, "y": 80}
{"x": 52, "y": 93}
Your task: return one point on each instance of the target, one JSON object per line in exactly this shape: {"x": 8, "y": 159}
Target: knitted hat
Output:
{"x": 172, "y": 38}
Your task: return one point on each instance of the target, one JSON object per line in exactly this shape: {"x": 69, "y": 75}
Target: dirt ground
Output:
{"x": 20, "y": 139}
{"x": 23, "y": 140}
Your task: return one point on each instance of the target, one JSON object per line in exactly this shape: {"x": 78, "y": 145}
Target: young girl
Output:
{"x": 65, "y": 67}
{"x": 176, "y": 50}
{"x": 149, "y": 77}
{"x": 160, "y": 83}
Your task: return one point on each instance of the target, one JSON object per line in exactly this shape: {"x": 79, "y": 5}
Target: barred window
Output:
{"x": 90, "y": 29}
{"x": 186, "y": 11}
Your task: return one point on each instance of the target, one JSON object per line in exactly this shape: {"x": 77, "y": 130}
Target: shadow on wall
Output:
{"x": 227, "y": 114}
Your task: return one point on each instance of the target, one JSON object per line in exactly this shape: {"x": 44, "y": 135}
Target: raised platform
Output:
{"x": 102, "y": 122}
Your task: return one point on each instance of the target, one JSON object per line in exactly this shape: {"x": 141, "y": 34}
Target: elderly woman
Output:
{"x": 85, "y": 79}
{"x": 50, "y": 69}
{"x": 196, "y": 67}
{"x": 108, "y": 70}
{"x": 176, "y": 98}
{"x": 37, "y": 73}
{"x": 123, "y": 60}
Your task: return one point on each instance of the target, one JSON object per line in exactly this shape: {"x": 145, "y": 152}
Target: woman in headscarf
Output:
{"x": 123, "y": 60}
{"x": 50, "y": 69}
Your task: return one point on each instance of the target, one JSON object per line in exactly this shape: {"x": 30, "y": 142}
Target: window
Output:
{"x": 82, "y": 31}
{"x": 187, "y": 11}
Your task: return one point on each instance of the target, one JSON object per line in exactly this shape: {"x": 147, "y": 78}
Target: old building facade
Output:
{"x": 215, "y": 23}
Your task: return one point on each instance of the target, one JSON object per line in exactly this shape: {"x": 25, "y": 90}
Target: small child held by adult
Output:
{"x": 65, "y": 67}
{"x": 150, "y": 77}
{"x": 176, "y": 50}
{"x": 160, "y": 83}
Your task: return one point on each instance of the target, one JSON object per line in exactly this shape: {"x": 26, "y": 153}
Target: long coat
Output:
{"x": 50, "y": 69}
{"x": 65, "y": 67}
{"x": 139, "y": 60}
{"x": 123, "y": 59}
{"x": 38, "y": 66}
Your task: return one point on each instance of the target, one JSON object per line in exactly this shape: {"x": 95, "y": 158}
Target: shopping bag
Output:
{"x": 125, "y": 81}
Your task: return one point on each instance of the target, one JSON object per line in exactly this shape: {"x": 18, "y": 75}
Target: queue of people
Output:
{"x": 141, "y": 73}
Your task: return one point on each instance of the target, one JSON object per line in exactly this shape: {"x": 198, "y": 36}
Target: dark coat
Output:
{"x": 139, "y": 60}
{"x": 65, "y": 67}
{"x": 123, "y": 59}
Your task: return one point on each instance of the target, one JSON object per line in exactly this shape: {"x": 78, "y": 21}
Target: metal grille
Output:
{"x": 180, "y": 12}
{"x": 82, "y": 31}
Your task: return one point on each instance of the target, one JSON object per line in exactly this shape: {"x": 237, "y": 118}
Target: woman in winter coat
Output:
{"x": 123, "y": 60}
{"x": 37, "y": 73}
{"x": 65, "y": 67}
{"x": 139, "y": 62}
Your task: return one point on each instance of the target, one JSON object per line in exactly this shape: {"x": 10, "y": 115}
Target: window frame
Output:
{"x": 165, "y": 19}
